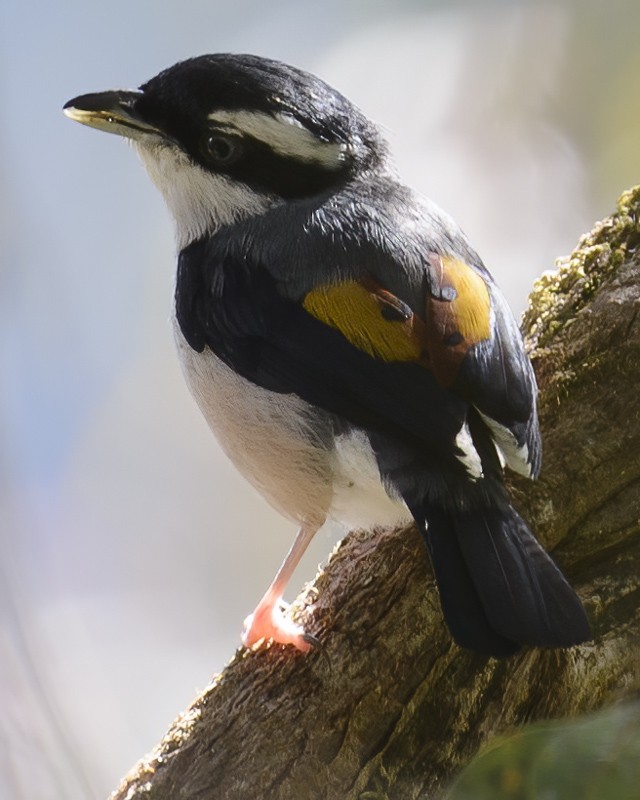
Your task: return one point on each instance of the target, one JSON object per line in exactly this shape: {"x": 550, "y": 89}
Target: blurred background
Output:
{"x": 130, "y": 551}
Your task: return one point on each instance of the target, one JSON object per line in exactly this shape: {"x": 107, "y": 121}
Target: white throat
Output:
{"x": 199, "y": 201}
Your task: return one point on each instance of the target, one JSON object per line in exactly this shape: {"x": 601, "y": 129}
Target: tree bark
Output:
{"x": 392, "y": 708}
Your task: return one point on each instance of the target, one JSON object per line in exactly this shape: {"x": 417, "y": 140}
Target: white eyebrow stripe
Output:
{"x": 284, "y": 134}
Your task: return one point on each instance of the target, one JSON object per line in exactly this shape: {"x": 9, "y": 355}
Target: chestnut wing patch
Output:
{"x": 457, "y": 315}
{"x": 475, "y": 348}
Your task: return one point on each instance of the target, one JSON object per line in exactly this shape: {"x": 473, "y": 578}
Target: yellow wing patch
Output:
{"x": 358, "y": 312}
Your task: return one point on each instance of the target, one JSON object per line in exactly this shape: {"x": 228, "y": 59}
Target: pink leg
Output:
{"x": 268, "y": 620}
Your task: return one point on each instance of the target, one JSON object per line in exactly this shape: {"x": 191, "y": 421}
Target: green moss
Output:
{"x": 560, "y": 294}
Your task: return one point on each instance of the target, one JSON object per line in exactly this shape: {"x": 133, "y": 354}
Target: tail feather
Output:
{"x": 499, "y": 589}
{"x": 461, "y": 604}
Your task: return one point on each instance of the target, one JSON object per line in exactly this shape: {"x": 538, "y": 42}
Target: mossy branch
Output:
{"x": 395, "y": 708}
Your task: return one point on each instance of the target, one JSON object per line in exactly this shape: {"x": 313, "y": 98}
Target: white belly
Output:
{"x": 286, "y": 449}
{"x": 359, "y": 500}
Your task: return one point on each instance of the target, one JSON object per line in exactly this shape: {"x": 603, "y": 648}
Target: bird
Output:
{"x": 344, "y": 341}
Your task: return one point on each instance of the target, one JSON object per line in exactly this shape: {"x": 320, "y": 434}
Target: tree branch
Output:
{"x": 395, "y": 708}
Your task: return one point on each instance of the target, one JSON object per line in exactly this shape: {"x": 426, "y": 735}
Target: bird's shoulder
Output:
{"x": 374, "y": 226}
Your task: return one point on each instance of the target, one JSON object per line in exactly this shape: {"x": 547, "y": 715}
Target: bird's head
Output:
{"x": 226, "y": 136}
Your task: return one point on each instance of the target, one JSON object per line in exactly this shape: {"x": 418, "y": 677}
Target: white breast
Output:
{"x": 285, "y": 448}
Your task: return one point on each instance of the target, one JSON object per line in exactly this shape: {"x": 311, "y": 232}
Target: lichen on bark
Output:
{"x": 559, "y": 294}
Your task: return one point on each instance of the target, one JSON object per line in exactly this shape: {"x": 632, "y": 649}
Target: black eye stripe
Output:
{"x": 259, "y": 166}
{"x": 283, "y": 132}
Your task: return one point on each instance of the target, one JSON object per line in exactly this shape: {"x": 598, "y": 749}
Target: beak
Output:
{"x": 114, "y": 112}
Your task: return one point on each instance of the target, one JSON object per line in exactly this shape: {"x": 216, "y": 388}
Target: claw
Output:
{"x": 317, "y": 645}
{"x": 312, "y": 640}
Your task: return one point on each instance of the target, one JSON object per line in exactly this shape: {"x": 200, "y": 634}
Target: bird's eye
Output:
{"x": 222, "y": 149}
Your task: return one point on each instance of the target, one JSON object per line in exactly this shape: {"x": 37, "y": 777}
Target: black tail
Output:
{"x": 499, "y": 590}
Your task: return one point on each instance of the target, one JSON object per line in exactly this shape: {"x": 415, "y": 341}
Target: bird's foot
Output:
{"x": 268, "y": 621}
